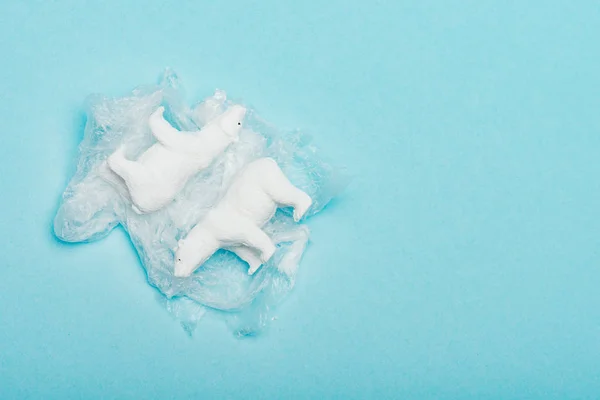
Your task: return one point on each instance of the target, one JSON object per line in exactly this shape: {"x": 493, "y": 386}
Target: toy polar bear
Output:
{"x": 155, "y": 178}
{"x": 235, "y": 222}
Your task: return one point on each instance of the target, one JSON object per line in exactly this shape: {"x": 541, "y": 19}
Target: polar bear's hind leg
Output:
{"x": 281, "y": 190}
{"x": 135, "y": 175}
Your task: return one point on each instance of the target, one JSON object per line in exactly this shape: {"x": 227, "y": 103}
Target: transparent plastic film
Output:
{"x": 92, "y": 205}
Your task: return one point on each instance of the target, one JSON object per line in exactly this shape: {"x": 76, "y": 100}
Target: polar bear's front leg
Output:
{"x": 249, "y": 256}
{"x": 250, "y": 235}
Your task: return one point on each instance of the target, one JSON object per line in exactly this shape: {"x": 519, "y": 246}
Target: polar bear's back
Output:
{"x": 249, "y": 193}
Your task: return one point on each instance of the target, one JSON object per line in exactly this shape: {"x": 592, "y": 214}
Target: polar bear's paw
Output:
{"x": 302, "y": 207}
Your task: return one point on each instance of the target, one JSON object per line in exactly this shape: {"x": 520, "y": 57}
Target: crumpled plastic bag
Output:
{"x": 91, "y": 207}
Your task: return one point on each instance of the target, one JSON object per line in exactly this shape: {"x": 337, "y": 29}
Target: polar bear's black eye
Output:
{"x": 179, "y": 259}
{"x": 239, "y": 123}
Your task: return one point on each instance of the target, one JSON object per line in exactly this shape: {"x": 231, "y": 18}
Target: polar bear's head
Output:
{"x": 185, "y": 259}
{"x": 192, "y": 252}
{"x": 231, "y": 120}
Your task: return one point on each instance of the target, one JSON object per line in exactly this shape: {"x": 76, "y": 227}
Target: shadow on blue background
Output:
{"x": 461, "y": 263}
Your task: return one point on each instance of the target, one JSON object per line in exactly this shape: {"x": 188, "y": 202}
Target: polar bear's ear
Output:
{"x": 178, "y": 245}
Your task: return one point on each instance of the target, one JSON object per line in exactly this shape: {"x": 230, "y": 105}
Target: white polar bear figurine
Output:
{"x": 162, "y": 171}
{"x": 235, "y": 222}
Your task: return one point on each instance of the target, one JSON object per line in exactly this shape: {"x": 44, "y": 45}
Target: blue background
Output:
{"x": 462, "y": 263}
